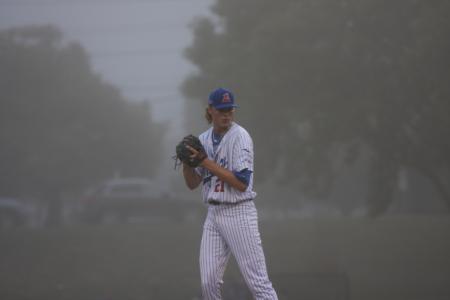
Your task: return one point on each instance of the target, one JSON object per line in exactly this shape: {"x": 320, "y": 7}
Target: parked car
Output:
{"x": 125, "y": 199}
{"x": 13, "y": 213}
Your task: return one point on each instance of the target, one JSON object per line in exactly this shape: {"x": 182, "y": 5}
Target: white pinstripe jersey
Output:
{"x": 235, "y": 153}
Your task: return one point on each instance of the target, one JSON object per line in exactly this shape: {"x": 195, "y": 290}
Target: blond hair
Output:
{"x": 208, "y": 116}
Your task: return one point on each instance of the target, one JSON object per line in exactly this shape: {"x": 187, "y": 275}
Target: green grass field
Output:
{"x": 360, "y": 259}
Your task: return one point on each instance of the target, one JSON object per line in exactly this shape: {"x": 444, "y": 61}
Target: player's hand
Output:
{"x": 192, "y": 156}
{"x": 190, "y": 151}
{"x": 195, "y": 153}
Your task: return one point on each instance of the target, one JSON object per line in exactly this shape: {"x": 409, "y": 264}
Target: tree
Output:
{"x": 62, "y": 128}
{"x": 338, "y": 79}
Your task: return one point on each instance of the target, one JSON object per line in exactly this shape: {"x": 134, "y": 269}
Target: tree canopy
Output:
{"x": 62, "y": 127}
{"x": 327, "y": 81}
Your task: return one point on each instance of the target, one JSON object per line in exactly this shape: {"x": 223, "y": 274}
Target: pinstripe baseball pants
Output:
{"x": 233, "y": 229}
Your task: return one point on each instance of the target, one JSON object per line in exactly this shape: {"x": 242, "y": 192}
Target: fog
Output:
{"x": 347, "y": 105}
{"x": 136, "y": 45}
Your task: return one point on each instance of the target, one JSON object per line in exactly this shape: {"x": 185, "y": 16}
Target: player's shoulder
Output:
{"x": 204, "y": 135}
{"x": 241, "y": 133}
{"x": 241, "y": 130}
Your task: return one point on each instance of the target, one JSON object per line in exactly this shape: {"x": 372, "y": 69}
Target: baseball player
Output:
{"x": 231, "y": 225}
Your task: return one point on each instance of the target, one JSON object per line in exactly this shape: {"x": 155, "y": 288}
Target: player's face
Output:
{"x": 222, "y": 118}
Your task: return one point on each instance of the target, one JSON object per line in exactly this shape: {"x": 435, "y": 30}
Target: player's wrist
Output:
{"x": 206, "y": 163}
{"x": 187, "y": 167}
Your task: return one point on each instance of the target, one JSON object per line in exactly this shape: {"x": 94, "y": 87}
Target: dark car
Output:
{"x": 126, "y": 199}
{"x": 13, "y": 213}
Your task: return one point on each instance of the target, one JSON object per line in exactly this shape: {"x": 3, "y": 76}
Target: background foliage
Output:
{"x": 62, "y": 127}
{"x": 324, "y": 83}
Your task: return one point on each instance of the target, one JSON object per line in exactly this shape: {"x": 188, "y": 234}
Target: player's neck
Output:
{"x": 221, "y": 130}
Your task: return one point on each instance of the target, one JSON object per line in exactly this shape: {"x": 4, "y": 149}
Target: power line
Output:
{"x": 125, "y": 28}
{"x": 143, "y": 52}
{"x": 171, "y": 97}
{"x": 135, "y": 87}
{"x": 88, "y": 2}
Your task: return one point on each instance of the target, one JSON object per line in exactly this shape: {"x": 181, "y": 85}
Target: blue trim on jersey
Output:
{"x": 216, "y": 138}
{"x": 243, "y": 175}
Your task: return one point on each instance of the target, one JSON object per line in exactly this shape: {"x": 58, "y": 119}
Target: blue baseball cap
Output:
{"x": 221, "y": 98}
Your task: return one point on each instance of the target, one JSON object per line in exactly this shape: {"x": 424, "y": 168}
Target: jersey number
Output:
{"x": 219, "y": 186}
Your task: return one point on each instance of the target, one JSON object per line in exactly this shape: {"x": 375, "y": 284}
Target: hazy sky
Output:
{"x": 135, "y": 44}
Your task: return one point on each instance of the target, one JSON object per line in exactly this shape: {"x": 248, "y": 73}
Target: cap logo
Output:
{"x": 226, "y": 98}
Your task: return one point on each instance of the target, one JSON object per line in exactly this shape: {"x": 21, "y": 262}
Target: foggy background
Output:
{"x": 347, "y": 103}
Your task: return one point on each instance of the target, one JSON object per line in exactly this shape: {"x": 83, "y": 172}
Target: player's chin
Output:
{"x": 225, "y": 122}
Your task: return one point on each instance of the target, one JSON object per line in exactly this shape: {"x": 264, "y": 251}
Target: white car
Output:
{"x": 124, "y": 199}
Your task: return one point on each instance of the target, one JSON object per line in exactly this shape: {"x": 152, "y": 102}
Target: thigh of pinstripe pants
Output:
{"x": 214, "y": 255}
{"x": 239, "y": 225}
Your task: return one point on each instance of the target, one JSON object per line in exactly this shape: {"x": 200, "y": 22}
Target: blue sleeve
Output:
{"x": 243, "y": 175}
